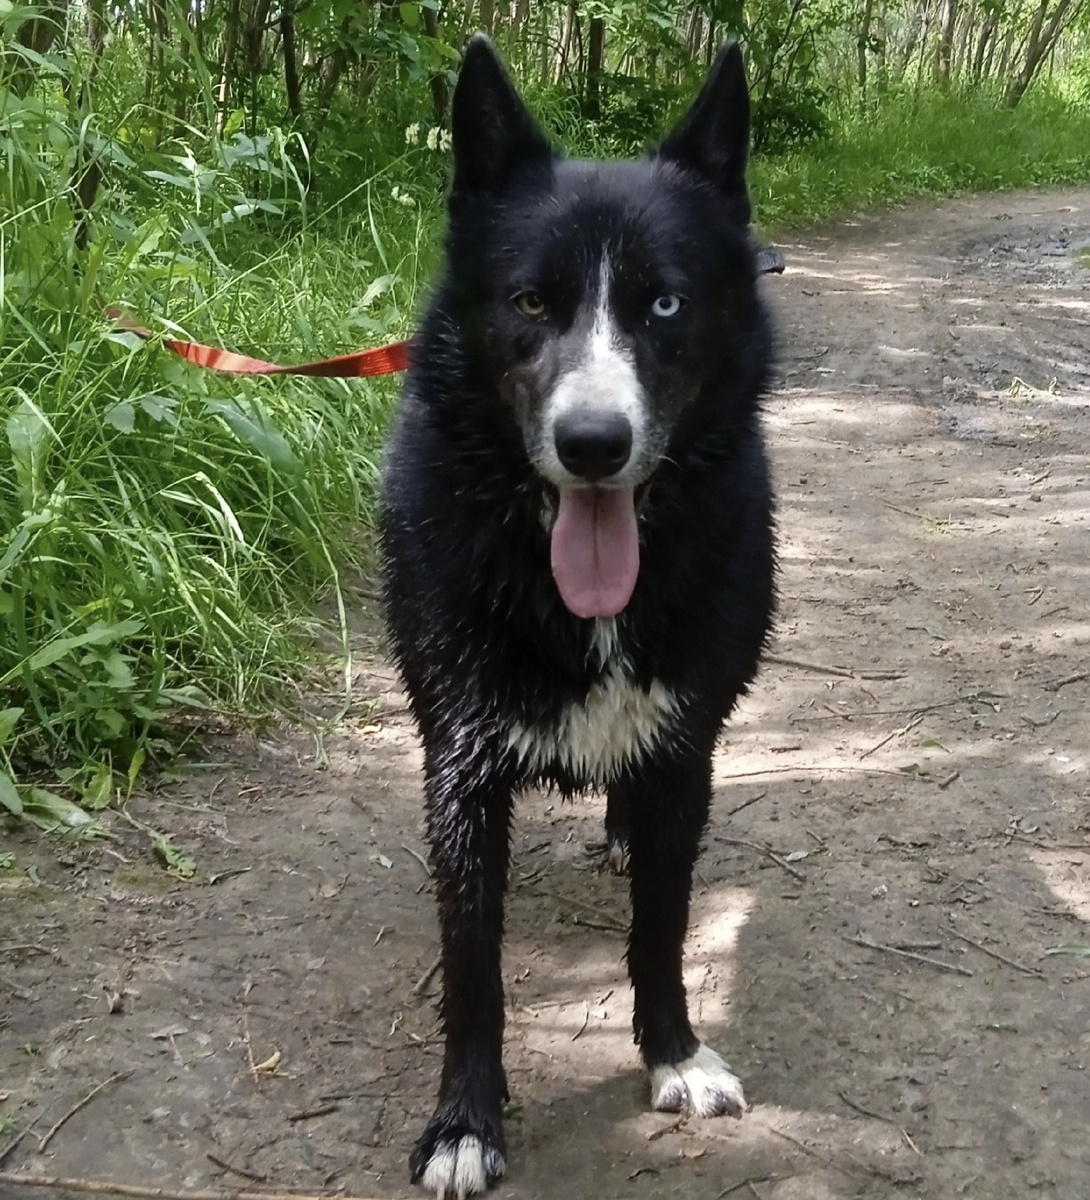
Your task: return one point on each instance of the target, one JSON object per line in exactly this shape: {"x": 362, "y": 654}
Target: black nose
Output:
{"x": 593, "y": 444}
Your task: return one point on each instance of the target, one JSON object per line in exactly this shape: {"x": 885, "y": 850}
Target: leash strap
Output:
{"x": 382, "y": 360}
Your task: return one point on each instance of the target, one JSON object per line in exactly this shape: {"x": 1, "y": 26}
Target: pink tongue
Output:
{"x": 596, "y": 550}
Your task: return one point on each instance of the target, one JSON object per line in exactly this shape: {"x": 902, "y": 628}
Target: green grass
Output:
{"x": 932, "y": 145}
{"x": 166, "y": 533}
{"x": 167, "y": 530}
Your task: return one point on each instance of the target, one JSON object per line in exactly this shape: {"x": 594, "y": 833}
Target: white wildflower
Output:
{"x": 412, "y": 133}
{"x": 445, "y": 141}
{"x": 402, "y": 198}
{"x": 433, "y": 137}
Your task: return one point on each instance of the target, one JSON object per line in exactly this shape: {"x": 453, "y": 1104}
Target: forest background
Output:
{"x": 180, "y": 549}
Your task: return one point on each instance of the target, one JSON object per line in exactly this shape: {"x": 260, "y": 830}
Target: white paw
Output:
{"x": 703, "y": 1085}
{"x": 462, "y": 1168}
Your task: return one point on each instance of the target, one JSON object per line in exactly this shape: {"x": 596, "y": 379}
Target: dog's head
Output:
{"x": 601, "y": 298}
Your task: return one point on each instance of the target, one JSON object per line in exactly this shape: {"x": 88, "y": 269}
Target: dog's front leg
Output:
{"x": 667, "y": 806}
{"x": 461, "y": 1152}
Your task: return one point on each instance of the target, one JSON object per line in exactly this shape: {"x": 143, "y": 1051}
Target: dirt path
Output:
{"x": 928, "y": 792}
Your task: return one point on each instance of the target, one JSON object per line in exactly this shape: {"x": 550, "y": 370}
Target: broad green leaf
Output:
{"x": 160, "y": 409}
{"x": 135, "y": 764}
{"x": 100, "y": 791}
{"x": 98, "y": 635}
{"x": 9, "y": 718}
{"x": 376, "y": 288}
{"x": 255, "y": 427}
{"x": 176, "y": 861}
{"x": 122, "y": 416}
{"x": 48, "y": 806}
{"x": 1073, "y": 948}
{"x": 29, "y": 432}
{"x": 182, "y": 181}
{"x": 9, "y": 794}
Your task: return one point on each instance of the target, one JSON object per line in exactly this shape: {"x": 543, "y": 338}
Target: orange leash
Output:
{"x": 382, "y": 360}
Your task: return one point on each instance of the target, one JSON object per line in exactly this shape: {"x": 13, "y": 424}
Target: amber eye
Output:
{"x": 530, "y": 304}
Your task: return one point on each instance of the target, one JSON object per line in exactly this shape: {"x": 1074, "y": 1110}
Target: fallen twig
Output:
{"x": 748, "y": 1182}
{"x": 609, "y": 921}
{"x": 746, "y": 803}
{"x": 1018, "y": 836}
{"x": 866, "y": 1112}
{"x": 870, "y": 1168}
{"x": 827, "y": 669}
{"x": 309, "y": 1114}
{"x": 241, "y": 1172}
{"x": 896, "y": 733}
{"x": 604, "y": 926}
{"x": 1076, "y": 677}
{"x": 923, "y": 958}
{"x": 765, "y": 850}
{"x": 419, "y": 858}
{"x": 1032, "y": 971}
{"x": 103, "y": 1188}
{"x": 46, "y": 1138}
{"x": 20, "y": 993}
{"x": 817, "y": 769}
{"x": 5, "y": 1154}
{"x": 428, "y": 976}
{"x": 945, "y": 783}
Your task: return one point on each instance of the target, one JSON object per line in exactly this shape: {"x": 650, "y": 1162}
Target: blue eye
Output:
{"x": 668, "y": 305}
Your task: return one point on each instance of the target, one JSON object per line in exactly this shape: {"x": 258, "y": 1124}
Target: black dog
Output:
{"x": 577, "y": 528}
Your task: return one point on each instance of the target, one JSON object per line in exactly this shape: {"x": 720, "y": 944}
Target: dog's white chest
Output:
{"x": 615, "y": 724}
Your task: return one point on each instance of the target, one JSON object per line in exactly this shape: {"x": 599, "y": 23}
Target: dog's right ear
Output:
{"x": 712, "y": 139}
{"x": 492, "y": 131}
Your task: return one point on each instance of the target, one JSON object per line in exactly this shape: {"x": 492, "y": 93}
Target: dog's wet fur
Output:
{"x": 577, "y": 528}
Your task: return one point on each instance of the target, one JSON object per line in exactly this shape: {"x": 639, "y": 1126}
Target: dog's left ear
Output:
{"x": 492, "y": 131}
{"x": 712, "y": 138}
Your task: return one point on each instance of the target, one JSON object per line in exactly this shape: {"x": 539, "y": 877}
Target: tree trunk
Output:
{"x": 437, "y": 84}
{"x": 595, "y": 56}
{"x": 567, "y": 31}
{"x": 519, "y": 16}
{"x": 987, "y": 35}
{"x": 961, "y": 43}
{"x": 181, "y": 90}
{"x": 38, "y": 35}
{"x": 158, "y": 34}
{"x": 861, "y": 45}
{"x": 227, "y": 65}
{"x": 914, "y": 35}
{"x": 947, "y": 18}
{"x": 291, "y": 62}
{"x": 87, "y": 172}
{"x": 257, "y": 20}
{"x": 1042, "y": 39}
{"x": 695, "y": 33}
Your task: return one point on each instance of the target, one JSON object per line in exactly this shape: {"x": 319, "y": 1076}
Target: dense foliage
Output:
{"x": 268, "y": 174}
